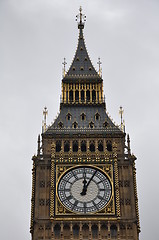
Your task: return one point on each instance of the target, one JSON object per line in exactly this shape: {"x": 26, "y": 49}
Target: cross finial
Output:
{"x": 64, "y": 67}
{"x": 45, "y": 113}
{"x": 81, "y": 18}
{"x": 99, "y": 63}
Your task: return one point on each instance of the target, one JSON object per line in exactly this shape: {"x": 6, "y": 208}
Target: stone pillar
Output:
{"x": 118, "y": 231}
{"x": 99, "y": 230}
{"x": 79, "y": 89}
{"x": 91, "y": 93}
{"x": 80, "y": 231}
{"x": 108, "y": 230}
{"x": 74, "y": 93}
{"x": 90, "y": 231}
{"x": 85, "y": 89}
{"x": 52, "y": 232}
{"x": 71, "y": 231}
{"x": 61, "y": 230}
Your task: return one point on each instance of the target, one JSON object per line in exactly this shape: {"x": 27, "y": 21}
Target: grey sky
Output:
{"x": 35, "y": 36}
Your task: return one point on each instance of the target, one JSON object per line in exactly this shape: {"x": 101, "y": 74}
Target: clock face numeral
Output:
{"x": 84, "y": 190}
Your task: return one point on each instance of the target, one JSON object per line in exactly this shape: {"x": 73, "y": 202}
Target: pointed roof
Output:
{"x": 81, "y": 65}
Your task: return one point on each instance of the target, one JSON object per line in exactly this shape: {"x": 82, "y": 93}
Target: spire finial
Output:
{"x": 45, "y": 113}
{"x": 64, "y": 65}
{"x": 100, "y": 70}
{"x": 122, "y": 124}
{"x": 81, "y": 18}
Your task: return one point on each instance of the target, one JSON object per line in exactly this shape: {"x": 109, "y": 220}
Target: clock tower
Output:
{"x": 84, "y": 175}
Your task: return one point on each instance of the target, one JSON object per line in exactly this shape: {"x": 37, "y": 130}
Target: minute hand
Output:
{"x": 91, "y": 179}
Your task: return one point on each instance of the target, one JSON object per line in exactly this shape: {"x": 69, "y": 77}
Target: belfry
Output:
{"x": 84, "y": 175}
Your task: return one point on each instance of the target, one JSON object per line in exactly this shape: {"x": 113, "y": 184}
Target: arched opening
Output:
{"x": 60, "y": 125}
{"x": 88, "y": 95}
{"x": 94, "y": 231}
{"x": 83, "y": 117}
{"x": 105, "y": 124}
{"x": 66, "y": 231}
{"x": 92, "y": 147}
{"x": 113, "y": 231}
{"x": 71, "y": 95}
{"x": 85, "y": 230}
{"x": 75, "y": 125}
{"x": 57, "y": 230}
{"x": 66, "y": 146}
{"x": 68, "y": 116}
{"x": 83, "y": 146}
{"x": 97, "y": 116}
{"x": 76, "y": 95}
{"x": 91, "y": 124}
{"x": 58, "y": 146}
{"x": 100, "y": 146}
{"x": 109, "y": 146}
{"x": 76, "y": 231}
{"x": 104, "y": 230}
{"x": 93, "y": 95}
{"x": 75, "y": 146}
{"x": 82, "y": 96}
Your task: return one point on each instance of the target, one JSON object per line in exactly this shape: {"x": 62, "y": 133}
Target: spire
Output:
{"x": 81, "y": 65}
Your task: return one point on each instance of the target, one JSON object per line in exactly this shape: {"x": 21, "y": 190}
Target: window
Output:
{"x": 75, "y": 125}
{"x": 58, "y": 146}
{"x": 113, "y": 231}
{"x": 91, "y": 124}
{"x": 66, "y": 146}
{"x": 92, "y": 147}
{"x": 100, "y": 146}
{"x": 83, "y": 116}
{"x": 76, "y": 95}
{"x": 68, "y": 116}
{"x": 94, "y": 231}
{"x": 83, "y": 146}
{"x": 75, "y": 146}
{"x": 88, "y": 95}
{"x": 109, "y": 146}
{"x": 71, "y": 95}
{"x": 57, "y": 230}
{"x": 82, "y": 95}
{"x": 75, "y": 230}
{"x": 105, "y": 124}
{"x": 93, "y": 95}
{"x": 97, "y": 116}
{"x": 60, "y": 124}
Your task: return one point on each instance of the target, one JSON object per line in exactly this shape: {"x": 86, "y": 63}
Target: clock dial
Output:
{"x": 84, "y": 189}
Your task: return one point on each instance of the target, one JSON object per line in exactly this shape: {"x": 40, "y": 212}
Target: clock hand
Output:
{"x": 90, "y": 179}
{"x": 85, "y": 186}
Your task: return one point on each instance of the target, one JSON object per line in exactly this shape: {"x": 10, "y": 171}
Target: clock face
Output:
{"x": 84, "y": 189}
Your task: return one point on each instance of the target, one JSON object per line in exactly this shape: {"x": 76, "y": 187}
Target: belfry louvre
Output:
{"x": 84, "y": 175}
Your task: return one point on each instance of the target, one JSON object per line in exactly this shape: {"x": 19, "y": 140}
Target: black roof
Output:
{"x": 81, "y": 65}
{"x": 95, "y": 120}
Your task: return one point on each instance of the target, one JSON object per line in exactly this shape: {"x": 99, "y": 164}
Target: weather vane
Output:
{"x": 99, "y": 63}
{"x": 64, "y": 68}
{"x": 81, "y": 18}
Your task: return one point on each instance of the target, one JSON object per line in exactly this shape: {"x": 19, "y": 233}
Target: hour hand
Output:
{"x": 84, "y": 190}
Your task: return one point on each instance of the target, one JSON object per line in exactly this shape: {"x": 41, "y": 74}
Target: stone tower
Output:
{"x": 84, "y": 176}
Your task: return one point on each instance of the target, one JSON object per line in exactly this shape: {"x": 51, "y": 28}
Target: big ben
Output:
{"x": 84, "y": 175}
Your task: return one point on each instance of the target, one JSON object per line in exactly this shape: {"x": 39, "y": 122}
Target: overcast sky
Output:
{"x": 35, "y": 36}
